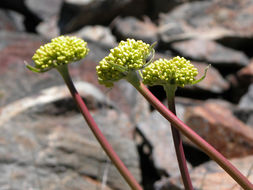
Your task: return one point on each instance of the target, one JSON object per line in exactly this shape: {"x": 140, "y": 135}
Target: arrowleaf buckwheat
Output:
{"x": 177, "y": 71}
{"x": 60, "y": 51}
{"x": 130, "y": 55}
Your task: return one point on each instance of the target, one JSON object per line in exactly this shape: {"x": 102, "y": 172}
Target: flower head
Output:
{"x": 177, "y": 71}
{"x": 130, "y": 55}
{"x": 60, "y": 51}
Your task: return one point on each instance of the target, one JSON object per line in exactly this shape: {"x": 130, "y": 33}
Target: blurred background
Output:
{"x": 46, "y": 145}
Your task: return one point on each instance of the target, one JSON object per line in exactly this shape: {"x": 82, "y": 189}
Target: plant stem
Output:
{"x": 96, "y": 131}
{"x": 170, "y": 92}
{"x": 194, "y": 137}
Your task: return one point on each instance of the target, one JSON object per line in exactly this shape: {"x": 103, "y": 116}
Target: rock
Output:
{"x": 229, "y": 22}
{"x": 76, "y": 14}
{"x": 247, "y": 100}
{"x": 31, "y": 19}
{"x": 157, "y": 132}
{"x": 216, "y": 123}
{"x": 245, "y": 115}
{"x": 245, "y": 75}
{"x": 131, "y": 27}
{"x": 55, "y": 139}
{"x": 49, "y": 28}
{"x": 210, "y": 52}
{"x": 14, "y": 50}
{"x": 48, "y": 11}
{"x": 240, "y": 82}
{"x": 11, "y": 21}
{"x": 214, "y": 82}
{"x": 98, "y": 33}
{"x": 45, "y": 9}
{"x": 164, "y": 6}
{"x": 30, "y": 177}
{"x": 210, "y": 176}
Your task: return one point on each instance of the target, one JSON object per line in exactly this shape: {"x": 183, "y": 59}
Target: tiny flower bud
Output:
{"x": 130, "y": 55}
{"x": 60, "y": 51}
{"x": 177, "y": 71}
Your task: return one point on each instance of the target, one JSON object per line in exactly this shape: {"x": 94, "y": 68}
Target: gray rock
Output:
{"x": 210, "y": 52}
{"x": 158, "y": 6}
{"x": 229, "y": 22}
{"x": 11, "y": 21}
{"x": 60, "y": 143}
{"x": 210, "y": 176}
{"x": 18, "y": 177}
{"x": 30, "y": 19}
{"x": 214, "y": 82}
{"x": 44, "y": 9}
{"x": 131, "y": 27}
{"x": 247, "y": 100}
{"x": 48, "y": 11}
{"x": 98, "y": 33}
{"x": 76, "y": 14}
{"x": 157, "y": 131}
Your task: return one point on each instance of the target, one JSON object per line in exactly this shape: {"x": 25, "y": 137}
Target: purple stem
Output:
{"x": 96, "y": 131}
{"x": 179, "y": 148}
{"x": 194, "y": 137}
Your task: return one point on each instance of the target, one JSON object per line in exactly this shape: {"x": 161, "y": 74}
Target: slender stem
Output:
{"x": 170, "y": 92}
{"x": 96, "y": 131}
{"x": 194, "y": 137}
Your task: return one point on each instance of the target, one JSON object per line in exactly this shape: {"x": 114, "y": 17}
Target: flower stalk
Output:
{"x": 63, "y": 70}
{"x": 195, "y": 138}
{"x": 58, "y": 54}
{"x": 177, "y": 71}
{"x": 170, "y": 93}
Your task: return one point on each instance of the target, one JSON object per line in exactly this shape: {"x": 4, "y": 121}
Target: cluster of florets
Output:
{"x": 130, "y": 55}
{"x": 177, "y": 71}
{"x": 61, "y": 50}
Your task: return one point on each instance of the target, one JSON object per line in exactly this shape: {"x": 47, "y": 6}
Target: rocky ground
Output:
{"x": 46, "y": 145}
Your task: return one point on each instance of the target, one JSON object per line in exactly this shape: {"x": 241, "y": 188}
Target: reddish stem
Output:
{"x": 179, "y": 148}
{"x": 194, "y": 137}
{"x": 96, "y": 131}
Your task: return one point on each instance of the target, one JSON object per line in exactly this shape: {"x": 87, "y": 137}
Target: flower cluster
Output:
{"x": 177, "y": 71}
{"x": 130, "y": 55}
{"x": 61, "y": 50}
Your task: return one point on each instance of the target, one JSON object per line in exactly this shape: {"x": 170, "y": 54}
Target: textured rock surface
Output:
{"x": 61, "y": 152}
{"x": 213, "y": 82}
{"x": 75, "y": 14}
{"x": 212, "y": 19}
{"x": 157, "y": 131}
{"x": 217, "y": 125}
{"x": 98, "y": 33}
{"x": 130, "y": 27}
{"x": 245, "y": 75}
{"x": 210, "y": 176}
{"x": 56, "y": 141}
{"x": 11, "y": 21}
{"x": 211, "y": 52}
{"x": 36, "y": 137}
{"x": 247, "y": 100}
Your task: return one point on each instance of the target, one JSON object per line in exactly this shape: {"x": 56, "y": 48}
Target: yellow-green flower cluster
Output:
{"x": 128, "y": 56}
{"x": 61, "y": 50}
{"x": 177, "y": 71}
